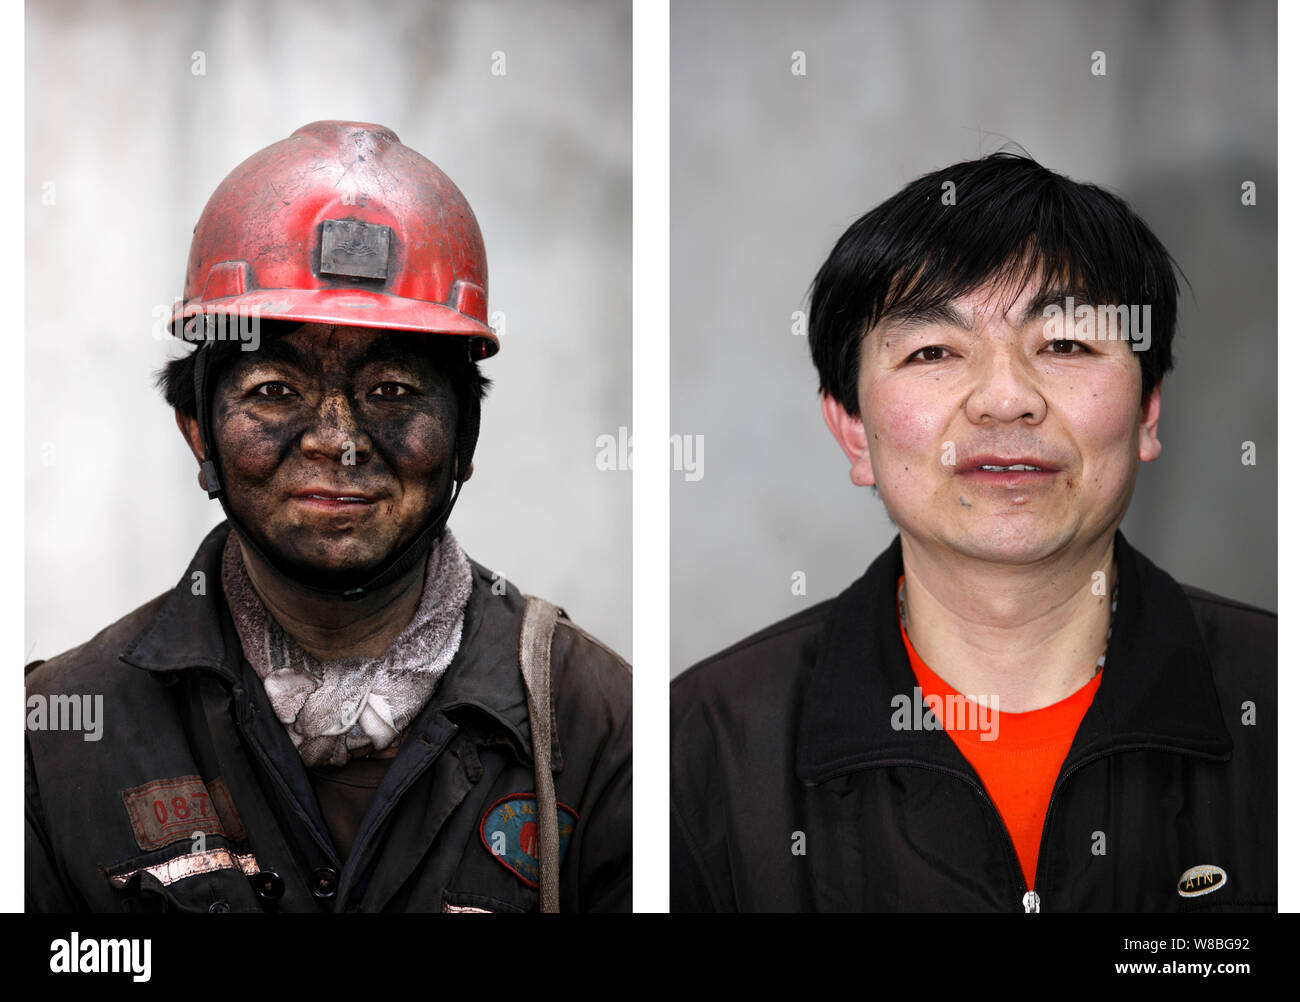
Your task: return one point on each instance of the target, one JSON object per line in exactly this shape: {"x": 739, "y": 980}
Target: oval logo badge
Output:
{"x": 1200, "y": 880}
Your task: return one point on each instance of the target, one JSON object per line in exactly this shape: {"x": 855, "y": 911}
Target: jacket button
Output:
{"x": 268, "y": 885}
{"x": 219, "y": 907}
{"x": 324, "y": 881}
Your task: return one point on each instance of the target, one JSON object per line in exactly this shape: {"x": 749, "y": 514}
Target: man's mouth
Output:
{"x": 1007, "y": 471}
{"x": 331, "y": 499}
{"x": 1002, "y": 464}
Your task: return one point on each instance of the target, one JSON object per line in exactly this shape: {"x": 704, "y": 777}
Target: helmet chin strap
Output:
{"x": 392, "y": 568}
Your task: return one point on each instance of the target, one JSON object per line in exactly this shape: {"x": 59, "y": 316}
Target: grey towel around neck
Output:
{"x": 337, "y": 710}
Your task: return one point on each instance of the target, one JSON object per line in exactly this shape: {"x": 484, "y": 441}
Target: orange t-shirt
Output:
{"x": 1019, "y": 766}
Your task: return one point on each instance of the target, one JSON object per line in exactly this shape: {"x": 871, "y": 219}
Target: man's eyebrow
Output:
{"x": 908, "y": 318}
{"x": 385, "y": 351}
{"x": 280, "y": 350}
{"x": 1053, "y": 295}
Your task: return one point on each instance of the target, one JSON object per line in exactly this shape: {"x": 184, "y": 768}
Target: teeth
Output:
{"x": 1004, "y": 469}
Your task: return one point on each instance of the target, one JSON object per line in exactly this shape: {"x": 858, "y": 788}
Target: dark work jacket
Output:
{"x": 184, "y": 713}
{"x": 791, "y": 791}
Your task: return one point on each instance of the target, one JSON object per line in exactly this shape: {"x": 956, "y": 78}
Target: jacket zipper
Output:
{"x": 1060, "y": 782}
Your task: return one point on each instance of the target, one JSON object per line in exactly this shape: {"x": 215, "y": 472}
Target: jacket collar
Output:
{"x": 187, "y": 631}
{"x": 1157, "y": 689}
{"x": 190, "y": 631}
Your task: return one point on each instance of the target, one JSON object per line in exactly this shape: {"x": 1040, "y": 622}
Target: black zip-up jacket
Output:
{"x": 791, "y": 791}
{"x": 194, "y": 798}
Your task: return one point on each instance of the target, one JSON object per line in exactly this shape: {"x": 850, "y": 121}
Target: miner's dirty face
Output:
{"x": 336, "y": 444}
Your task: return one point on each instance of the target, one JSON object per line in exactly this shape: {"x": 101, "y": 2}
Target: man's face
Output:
{"x": 979, "y": 384}
{"x": 336, "y": 444}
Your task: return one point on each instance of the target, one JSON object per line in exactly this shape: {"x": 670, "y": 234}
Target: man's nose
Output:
{"x": 336, "y": 431}
{"x": 1005, "y": 389}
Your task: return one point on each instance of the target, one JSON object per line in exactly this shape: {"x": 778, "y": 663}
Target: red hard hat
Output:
{"x": 340, "y": 224}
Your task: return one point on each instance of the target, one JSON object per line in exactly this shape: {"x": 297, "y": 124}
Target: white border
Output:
{"x": 650, "y": 476}
{"x": 12, "y": 400}
{"x": 1288, "y": 689}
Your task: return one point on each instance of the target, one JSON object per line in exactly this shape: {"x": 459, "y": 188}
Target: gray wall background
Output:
{"x": 768, "y": 169}
{"x": 134, "y": 143}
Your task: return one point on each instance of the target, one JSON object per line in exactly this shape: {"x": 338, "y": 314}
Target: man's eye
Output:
{"x": 273, "y": 390}
{"x": 391, "y": 390}
{"x": 930, "y": 353}
{"x": 1066, "y": 347}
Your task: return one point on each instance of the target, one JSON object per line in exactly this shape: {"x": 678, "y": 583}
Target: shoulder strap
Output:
{"x": 535, "y": 664}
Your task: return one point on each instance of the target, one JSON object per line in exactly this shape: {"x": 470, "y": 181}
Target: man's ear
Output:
{"x": 852, "y": 436}
{"x": 190, "y": 431}
{"x": 1148, "y": 444}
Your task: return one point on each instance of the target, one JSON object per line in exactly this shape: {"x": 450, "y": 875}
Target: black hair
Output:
{"x": 1006, "y": 220}
{"x": 176, "y": 378}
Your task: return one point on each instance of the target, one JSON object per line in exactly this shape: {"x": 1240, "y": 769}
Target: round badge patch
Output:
{"x": 509, "y": 832}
